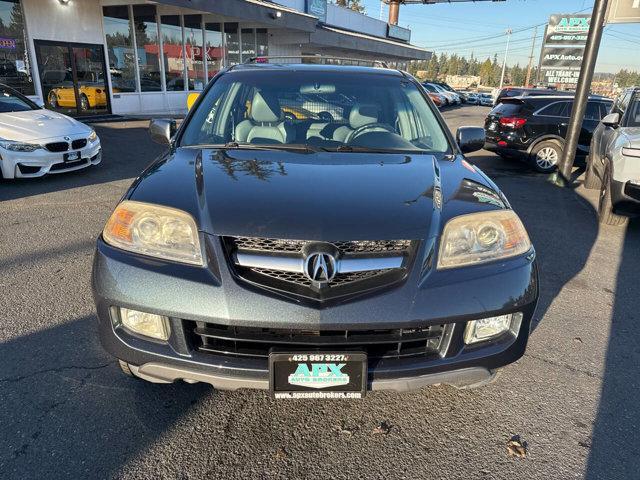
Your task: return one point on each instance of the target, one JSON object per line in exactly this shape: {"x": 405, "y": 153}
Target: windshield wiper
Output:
{"x": 357, "y": 149}
{"x": 264, "y": 146}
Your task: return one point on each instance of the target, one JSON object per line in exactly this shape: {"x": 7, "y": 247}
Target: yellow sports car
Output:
{"x": 91, "y": 96}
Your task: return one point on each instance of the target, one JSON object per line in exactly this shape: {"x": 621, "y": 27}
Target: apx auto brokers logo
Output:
{"x": 320, "y": 375}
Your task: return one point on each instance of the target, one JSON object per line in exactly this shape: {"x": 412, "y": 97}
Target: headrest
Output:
{"x": 363, "y": 114}
{"x": 265, "y": 108}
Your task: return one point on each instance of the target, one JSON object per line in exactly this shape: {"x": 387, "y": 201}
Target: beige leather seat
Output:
{"x": 265, "y": 123}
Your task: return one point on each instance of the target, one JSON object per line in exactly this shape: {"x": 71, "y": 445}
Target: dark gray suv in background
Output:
{"x": 314, "y": 230}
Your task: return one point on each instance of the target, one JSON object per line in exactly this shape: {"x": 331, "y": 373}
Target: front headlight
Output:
{"x": 482, "y": 237}
{"x": 154, "y": 230}
{"x": 93, "y": 136}
{"x": 18, "y": 146}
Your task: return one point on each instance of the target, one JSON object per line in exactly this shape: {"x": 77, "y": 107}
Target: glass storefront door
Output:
{"x": 73, "y": 78}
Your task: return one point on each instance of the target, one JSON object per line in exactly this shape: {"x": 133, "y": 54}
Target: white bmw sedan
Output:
{"x": 35, "y": 141}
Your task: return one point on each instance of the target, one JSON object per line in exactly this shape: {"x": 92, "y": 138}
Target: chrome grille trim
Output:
{"x": 296, "y": 264}
{"x": 345, "y": 247}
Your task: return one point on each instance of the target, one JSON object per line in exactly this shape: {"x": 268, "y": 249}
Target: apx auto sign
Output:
{"x": 567, "y": 29}
{"x": 563, "y": 48}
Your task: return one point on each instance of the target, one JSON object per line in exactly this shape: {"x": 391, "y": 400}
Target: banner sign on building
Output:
{"x": 317, "y": 8}
{"x": 563, "y": 48}
{"x": 394, "y": 31}
{"x": 8, "y": 43}
{"x": 624, "y": 11}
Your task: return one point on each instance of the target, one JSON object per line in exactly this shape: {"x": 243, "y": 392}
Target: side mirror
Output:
{"x": 162, "y": 130}
{"x": 612, "y": 120}
{"x": 191, "y": 99}
{"x": 470, "y": 139}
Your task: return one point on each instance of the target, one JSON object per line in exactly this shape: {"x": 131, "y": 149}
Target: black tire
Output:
{"x": 605, "y": 206}
{"x": 591, "y": 179}
{"x": 124, "y": 366}
{"x": 545, "y": 156}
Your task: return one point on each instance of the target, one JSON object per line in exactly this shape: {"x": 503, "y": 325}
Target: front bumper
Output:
{"x": 42, "y": 162}
{"x": 212, "y": 295}
{"x": 625, "y": 197}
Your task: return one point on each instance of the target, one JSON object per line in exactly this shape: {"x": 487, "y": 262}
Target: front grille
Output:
{"x": 301, "y": 279}
{"x": 78, "y": 144}
{"x": 57, "y": 146}
{"x": 282, "y": 245}
{"x": 350, "y": 281}
{"x": 258, "y": 342}
{"x": 64, "y": 166}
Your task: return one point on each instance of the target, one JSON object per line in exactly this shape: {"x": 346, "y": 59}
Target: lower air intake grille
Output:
{"x": 257, "y": 342}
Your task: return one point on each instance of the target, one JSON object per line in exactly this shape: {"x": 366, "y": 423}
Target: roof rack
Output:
{"x": 326, "y": 60}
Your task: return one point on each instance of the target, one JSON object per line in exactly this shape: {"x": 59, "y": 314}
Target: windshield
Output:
{"x": 319, "y": 110}
{"x": 11, "y": 101}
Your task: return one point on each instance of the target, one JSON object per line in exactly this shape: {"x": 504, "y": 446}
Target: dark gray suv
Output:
{"x": 315, "y": 231}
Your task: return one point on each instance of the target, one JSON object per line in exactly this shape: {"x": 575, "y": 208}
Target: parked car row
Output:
{"x": 531, "y": 125}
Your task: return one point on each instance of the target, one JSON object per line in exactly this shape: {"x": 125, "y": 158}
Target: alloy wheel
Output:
{"x": 547, "y": 157}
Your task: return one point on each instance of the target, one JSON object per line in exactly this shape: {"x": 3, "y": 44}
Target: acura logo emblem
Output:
{"x": 320, "y": 267}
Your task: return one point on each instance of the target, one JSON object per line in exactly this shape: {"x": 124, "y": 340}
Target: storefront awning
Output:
{"x": 259, "y": 11}
{"x": 333, "y": 37}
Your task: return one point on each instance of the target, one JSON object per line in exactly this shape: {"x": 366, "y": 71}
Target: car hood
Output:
{"x": 38, "y": 125}
{"x": 310, "y": 196}
{"x": 633, "y": 135}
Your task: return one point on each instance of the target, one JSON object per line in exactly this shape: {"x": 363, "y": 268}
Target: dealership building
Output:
{"x": 92, "y": 57}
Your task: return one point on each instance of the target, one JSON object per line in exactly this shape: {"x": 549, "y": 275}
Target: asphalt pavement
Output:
{"x": 66, "y": 411}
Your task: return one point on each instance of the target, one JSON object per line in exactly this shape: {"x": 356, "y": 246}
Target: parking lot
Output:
{"x": 68, "y": 412}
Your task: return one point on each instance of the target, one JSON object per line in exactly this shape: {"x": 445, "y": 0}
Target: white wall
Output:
{"x": 79, "y": 21}
{"x": 347, "y": 18}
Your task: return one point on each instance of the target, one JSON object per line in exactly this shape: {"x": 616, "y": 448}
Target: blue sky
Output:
{"x": 437, "y": 27}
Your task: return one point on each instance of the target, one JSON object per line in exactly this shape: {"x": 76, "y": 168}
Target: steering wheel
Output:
{"x": 362, "y": 129}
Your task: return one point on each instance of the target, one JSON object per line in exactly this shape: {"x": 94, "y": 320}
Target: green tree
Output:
{"x": 486, "y": 73}
{"x": 433, "y": 68}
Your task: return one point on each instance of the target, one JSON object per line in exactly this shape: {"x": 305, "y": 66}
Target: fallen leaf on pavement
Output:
{"x": 384, "y": 428}
{"x": 516, "y": 447}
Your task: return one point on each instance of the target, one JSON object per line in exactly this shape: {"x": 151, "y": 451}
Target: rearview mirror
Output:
{"x": 470, "y": 139}
{"x": 191, "y": 99}
{"x": 162, "y": 130}
{"x": 612, "y": 120}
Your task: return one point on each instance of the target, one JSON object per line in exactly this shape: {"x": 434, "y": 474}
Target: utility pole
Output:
{"x": 594, "y": 36}
{"x": 394, "y": 11}
{"x": 504, "y": 62}
{"x": 533, "y": 47}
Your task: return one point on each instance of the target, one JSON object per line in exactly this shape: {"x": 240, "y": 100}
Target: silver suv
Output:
{"x": 613, "y": 165}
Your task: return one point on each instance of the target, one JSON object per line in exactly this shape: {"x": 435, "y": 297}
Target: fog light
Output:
{"x": 488, "y": 328}
{"x": 147, "y": 324}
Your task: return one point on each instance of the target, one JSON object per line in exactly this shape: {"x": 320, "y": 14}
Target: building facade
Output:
{"x": 91, "y": 57}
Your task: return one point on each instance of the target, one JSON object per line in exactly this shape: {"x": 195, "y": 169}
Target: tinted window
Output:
{"x": 13, "y": 102}
{"x": 593, "y": 111}
{"x": 511, "y": 93}
{"x": 633, "y": 118}
{"x": 507, "y": 109}
{"x": 556, "y": 109}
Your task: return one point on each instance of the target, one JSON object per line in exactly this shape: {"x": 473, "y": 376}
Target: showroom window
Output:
{"x": 214, "y": 51}
{"x": 122, "y": 61}
{"x": 193, "y": 46}
{"x": 15, "y": 68}
{"x": 146, "y": 28}
{"x": 232, "y": 41}
{"x": 171, "y": 31}
{"x": 248, "y": 43}
{"x": 262, "y": 42}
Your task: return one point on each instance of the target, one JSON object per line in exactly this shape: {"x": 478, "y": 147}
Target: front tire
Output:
{"x": 605, "y": 206}
{"x": 546, "y": 155}
{"x": 591, "y": 179}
